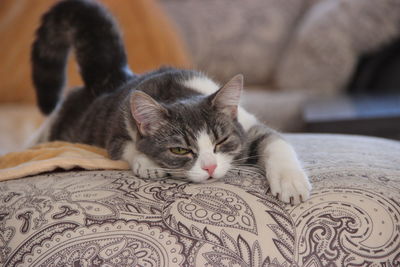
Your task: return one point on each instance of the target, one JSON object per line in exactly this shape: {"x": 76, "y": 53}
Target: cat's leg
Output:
{"x": 285, "y": 175}
{"x": 287, "y": 179}
{"x": 141, "y": 165}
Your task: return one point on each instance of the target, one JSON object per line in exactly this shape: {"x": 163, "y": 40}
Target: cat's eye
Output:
{"x": 179, "y": 150}
{"x": 220, "y": 143}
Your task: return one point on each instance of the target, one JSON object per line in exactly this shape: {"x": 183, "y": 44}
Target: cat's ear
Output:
{"x": 227, "y": 98}
{"x": 148, "y": 114}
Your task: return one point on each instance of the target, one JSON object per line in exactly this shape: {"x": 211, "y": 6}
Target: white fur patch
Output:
{"x": 130, "y": 152}
{"x": 285, "y": 173}
{"x": 202, "y": 84}
{"x": 204, "y": 143}
{"x": 224, "y": 164}
{"x": 207, "y": 157}
{"x": 140, "y": 164}
{"x": 246, "y": 119}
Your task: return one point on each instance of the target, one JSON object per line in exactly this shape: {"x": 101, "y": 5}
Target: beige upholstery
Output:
{"x": 111, "y": 218}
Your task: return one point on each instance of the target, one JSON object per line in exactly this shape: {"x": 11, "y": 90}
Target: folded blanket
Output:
{"x": 50, "y": 156}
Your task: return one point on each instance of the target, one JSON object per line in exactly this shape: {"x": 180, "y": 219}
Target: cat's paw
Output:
{"x": 145, "y": 168}
{"x": 289, "y": 184}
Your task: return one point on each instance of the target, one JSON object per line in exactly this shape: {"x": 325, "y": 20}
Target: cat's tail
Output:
{"x": 91, "y": 31}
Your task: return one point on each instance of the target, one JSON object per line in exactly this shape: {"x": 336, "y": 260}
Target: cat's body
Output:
{"x": 169, "y": 121}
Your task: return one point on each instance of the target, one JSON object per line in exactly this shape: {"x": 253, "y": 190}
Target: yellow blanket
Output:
{"x": 50, "y": 156}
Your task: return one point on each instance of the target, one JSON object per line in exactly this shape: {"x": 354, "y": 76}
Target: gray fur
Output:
{"x": 102, "y": 121}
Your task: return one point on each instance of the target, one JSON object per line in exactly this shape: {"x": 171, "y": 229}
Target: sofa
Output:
{"x": 112, "y": 218}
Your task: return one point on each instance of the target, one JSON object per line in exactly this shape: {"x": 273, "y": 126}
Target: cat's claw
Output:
{"x": 289, "y": 184}
{"x": 145, "y": 168}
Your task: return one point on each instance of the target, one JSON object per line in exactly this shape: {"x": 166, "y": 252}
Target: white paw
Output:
{"x": 289, "y": 183}
{"x": 145, "y": 168}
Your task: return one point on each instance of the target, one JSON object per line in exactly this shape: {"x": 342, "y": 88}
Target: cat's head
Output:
{"x": 197, "y": 138}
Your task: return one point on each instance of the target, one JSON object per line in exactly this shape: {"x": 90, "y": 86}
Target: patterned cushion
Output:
{"x": 111, "y": 218}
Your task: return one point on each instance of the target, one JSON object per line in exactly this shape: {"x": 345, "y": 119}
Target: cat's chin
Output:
{"x": 204, "y": 179}
{"x": 198, "y": 180}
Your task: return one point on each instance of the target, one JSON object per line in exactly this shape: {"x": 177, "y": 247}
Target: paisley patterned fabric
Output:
{"x": 112, "y": 218}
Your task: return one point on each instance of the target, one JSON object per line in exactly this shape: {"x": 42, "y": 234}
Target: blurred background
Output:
{"x": 309, "y": 65}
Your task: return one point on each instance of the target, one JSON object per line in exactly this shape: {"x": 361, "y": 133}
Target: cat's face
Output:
{"x": 196, "y": 138}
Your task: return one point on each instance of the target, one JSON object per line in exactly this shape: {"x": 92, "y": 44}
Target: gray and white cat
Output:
{"x": 166, "y": 122}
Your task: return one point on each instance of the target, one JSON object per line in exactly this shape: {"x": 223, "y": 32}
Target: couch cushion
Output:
{"x": 331, "y": 38}
{"x": 114, "y": 218}
{"x": 226, "y": 37}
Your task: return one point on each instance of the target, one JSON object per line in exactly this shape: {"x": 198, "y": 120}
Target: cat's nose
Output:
{"x": 210, "y": 168}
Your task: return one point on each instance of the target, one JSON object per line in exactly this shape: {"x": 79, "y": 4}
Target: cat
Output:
{"x": 168, "y": 122}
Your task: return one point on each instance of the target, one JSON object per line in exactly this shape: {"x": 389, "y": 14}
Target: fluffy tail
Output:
{"x": 91, "y": 31}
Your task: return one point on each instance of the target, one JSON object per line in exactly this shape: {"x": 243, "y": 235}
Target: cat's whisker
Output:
{"x": 245, "y": 171}
{"x": 246, "y": 164}
{"x": 250, "y": 157}
{"x": 249, "y": 167}
{"x": 166, "y": 169}
{"x": 194, "y": 173}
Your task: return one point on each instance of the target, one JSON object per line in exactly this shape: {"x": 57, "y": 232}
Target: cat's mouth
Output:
{"x": 210, "y": 179}
{"x": 204, "y": 180}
